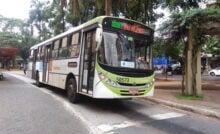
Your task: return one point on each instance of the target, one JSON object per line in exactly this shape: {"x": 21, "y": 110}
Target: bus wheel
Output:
{"x": 72, "y": 94}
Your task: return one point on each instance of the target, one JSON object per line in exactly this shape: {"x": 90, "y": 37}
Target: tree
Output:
{"x": 139, "y": 10}
{"x": 16, "y": 34}
{"x": 108, "y": 7}
{"x": 38, "y": 19}
{"x": 27, "y": 40}
{"x": 212, "y": 45}
{"x": 63, "y": 4}
{"x": 10, "y": 35}
{"x": 55, "y": 17}
{"x": 159, "y": 43}
{"x": 80, "y": 11}
{"x": 174, "y": 50}
{"x": 191, "y": 27}
{"x": 179, "y": 5}
{"x": 76, "y": 9}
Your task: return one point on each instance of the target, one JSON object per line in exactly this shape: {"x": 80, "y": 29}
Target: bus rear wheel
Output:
{"x": 72, "y": 94}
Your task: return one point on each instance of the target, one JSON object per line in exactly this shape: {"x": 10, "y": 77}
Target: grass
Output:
{"x": 189, "y": 97}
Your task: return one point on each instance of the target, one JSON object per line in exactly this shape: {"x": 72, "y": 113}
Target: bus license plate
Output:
{"x": 133, "y": 91}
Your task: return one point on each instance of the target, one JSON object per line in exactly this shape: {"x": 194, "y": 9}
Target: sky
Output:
{"x": 15, "y": 8}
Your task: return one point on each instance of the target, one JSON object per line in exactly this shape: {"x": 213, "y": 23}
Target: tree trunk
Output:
{"x": 188, "y": 74}
{"x": 193, "y": 65}
{"x": 198, "y": 74}
{"x": 108, "y": 7}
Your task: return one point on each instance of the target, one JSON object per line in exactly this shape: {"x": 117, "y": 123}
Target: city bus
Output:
{"x": 104, "y": 58}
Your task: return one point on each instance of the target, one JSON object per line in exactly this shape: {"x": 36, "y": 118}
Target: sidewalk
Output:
{"x": 167, "y": 88}
{"x": 13, "y": 71}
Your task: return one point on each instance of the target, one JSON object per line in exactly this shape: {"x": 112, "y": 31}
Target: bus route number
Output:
{"x": 122, "y": 80}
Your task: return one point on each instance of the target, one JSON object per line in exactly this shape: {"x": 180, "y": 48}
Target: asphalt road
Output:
{"x": 27, "y": 109}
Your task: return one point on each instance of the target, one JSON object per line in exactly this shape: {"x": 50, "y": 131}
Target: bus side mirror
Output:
{"x": 98, "y": 37}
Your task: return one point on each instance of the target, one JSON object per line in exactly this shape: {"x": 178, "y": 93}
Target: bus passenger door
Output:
{"x": 88, "y": 61}
{"x": 45, "y": 63}
{"x": 33, "y": 73}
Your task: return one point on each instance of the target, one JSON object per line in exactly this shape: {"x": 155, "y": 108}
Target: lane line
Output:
{"x": 166, "y": 116}
{"x": 102, "y": 128}
{"x": 67, "y": 105}
{"x": 111, "y": 127}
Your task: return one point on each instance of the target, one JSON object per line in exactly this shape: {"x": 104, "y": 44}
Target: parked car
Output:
{"x": 178, "y": 70}
{"x": 215, "y": 71}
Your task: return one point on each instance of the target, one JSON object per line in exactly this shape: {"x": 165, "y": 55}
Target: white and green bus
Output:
{"x": 106, "y": 57}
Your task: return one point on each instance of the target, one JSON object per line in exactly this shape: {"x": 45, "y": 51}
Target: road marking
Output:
{"x": 103, "y": 128}
{"x": 111, "y": 127}
{"x": 67, "y": 105}
{"x": 166, "y": 116}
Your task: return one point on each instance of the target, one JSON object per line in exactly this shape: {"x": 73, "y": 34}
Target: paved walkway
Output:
{"x": 166, "y": 90}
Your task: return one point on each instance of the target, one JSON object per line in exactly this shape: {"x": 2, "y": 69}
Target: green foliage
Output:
{"x": 52, "y": 18}
{"x": 178, "y": 5}
{"x": 159, "y": 43}
{"x": 189, "y": 97}
{"x": 38, "y": 18}
{"x": 80, "y": 11}
{"x": 139, "y": 10}
{"x": 212, "y": 45}
{"x": 179, "y": 23}
{"x": 174, "y": 50}
{"x": 15, "y": 33}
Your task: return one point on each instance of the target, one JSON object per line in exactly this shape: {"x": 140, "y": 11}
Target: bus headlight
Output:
{"x": 149, "y": 84}
{"x": 102, "y": 77}
{"x": 107, "y": 80}
{"x": 112, "y": 83}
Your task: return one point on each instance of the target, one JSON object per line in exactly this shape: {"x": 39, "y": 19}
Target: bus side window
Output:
{"x": 49, "y": 52}
{"x": 31, "y": 55}
{"x": 75, "y": 45}
{"x": 38, "y": 53}
{"x": 56, "y": 46}
{"x": 42, "y": 53}
{"x": 63, "y": 51}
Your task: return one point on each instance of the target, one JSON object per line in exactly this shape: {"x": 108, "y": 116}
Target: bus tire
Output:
{"x": 71, "y": 88}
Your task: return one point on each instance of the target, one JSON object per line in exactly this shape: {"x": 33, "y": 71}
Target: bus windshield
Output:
{"x": 125, "y": 51}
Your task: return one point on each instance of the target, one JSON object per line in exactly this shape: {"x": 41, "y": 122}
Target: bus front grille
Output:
{"x": 129, "y": 93}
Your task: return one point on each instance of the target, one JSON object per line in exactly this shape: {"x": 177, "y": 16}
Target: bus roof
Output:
{"x": 97, "y": 20}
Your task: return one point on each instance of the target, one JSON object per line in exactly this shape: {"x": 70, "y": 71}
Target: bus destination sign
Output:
{"x": 130, "y": 27}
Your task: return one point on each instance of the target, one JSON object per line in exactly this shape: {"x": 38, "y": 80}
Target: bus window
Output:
{"x": 42, "y": 53}
{"x": 48, "y": 52}
{"x": 75, "y": 38}
{"x": 75, "y": 45}
{"x": 31, "y": 55}
{"x": 55, "y": 49}
{"x": 63, "y": 51}
{"x": 38, "y": 53}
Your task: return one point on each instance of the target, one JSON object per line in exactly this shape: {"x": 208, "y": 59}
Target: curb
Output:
{"x": 198, "y": 110}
